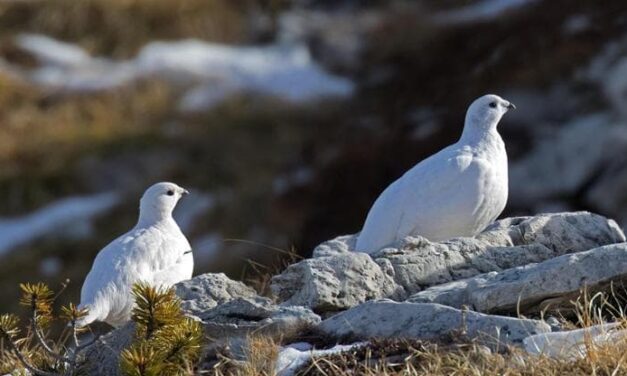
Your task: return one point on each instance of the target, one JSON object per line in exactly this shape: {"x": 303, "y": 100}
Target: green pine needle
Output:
{"x": 167, "y": 342}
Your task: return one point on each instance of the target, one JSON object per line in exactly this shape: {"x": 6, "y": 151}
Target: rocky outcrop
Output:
{"x": 534, "y": 287}
{"x": 229, "y": 312}
{"x": 453, "y": 290}
{"x": 389, "y": 319}
{"x": 103, "y": 357}
{"x": 338, "y": 278}
{"x": 207, "y": 291}
{"x": 334, "y": 283}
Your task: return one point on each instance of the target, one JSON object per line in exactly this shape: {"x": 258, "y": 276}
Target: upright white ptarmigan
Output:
{"x": 155, "y": 251}
{"x": 455, "y": 192}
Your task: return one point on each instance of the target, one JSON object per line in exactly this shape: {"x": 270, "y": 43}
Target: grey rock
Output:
{"x": 206, "y": 291}
{"x": 419, "y": 263}
{"x": 227, "y": 320}
{"x": 388, "y": 319}
{"x": 334, "y": 283}
{"x": 340, "y": 245}
{"x": 338, "y": 278}
{"x": 103, "y": 357}
{"x": 243, "y": 316}
{"x": 566, "y": 232}
{"x": 532, "y": 288}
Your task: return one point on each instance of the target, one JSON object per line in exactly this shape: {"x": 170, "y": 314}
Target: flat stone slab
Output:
{"x": 244, "y": 316}
{"x": 389, "y": 319}
{"x": 534, "y": 287}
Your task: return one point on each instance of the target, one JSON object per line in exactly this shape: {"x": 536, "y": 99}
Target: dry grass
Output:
{"x": 259, "y": 275}
{"x": 120, "y": 27}
{"x": 33, "y": 123}
{"x": 432, "y": 359}
{"x": 410, "y": 357}
{"x": 454, "y": 356}
{"x": 261, "y": 353}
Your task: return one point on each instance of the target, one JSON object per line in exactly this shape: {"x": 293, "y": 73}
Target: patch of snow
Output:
{"x": 573, "y": 344}
{"x": 481, "y": 11}
{"x": 212, "y": 71}
{"x": 291, "y": 359}
{"x": 53, "y": 219}
{"x": 53, "y": 52}
{"x": 205, "y": 97}
{"x": 301, "y": 346}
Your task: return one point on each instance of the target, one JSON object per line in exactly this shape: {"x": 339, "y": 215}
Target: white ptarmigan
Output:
{"x": 155, "y": 251}
{"x": 455, "y": 192}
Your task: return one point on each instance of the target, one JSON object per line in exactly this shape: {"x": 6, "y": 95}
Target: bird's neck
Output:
{"x": 152, "y": 217}
{"x": 474, "y": 135}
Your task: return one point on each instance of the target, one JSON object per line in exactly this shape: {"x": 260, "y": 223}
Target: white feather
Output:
{"x": 455, "y": 192}
{"x": 155, "y": 251}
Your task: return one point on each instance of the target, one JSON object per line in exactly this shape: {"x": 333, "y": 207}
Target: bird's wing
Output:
{"x": 170, "y": 260}
{"x": 388, "y": 216}
{"x": 104, "y": 285}
{"x": 181, "y": 269}
{"x": 438, "y": 184}
{"x": 150, "y": 255}
{"x": 444, "y": 189}
{"x": 130, "y": 258}
{"x": 383, "y": 219}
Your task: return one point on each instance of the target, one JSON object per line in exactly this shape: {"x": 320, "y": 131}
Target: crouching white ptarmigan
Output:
{"x": 155, "y": 251}
{"x": 455, "y": 192}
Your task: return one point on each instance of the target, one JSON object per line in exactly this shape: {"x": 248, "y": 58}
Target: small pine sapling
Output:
{"x": 166, "y": 342}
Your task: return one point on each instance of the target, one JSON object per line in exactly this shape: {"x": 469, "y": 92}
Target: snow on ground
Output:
{"x": 573, "y": 344}
{"x": 293, "y": 357}
{"x": 60, "y": 215}
{"x": 480, "y": 11}
{"x": 211, "y": 71}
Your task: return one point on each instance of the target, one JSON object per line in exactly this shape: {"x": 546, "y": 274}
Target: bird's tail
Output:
{"x": 92, "y": 315}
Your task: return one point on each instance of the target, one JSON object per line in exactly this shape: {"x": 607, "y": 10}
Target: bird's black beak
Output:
{"x": 185, "y": 192}
{"x": 511, "y": 106}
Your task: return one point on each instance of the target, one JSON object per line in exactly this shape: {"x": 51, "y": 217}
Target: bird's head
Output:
{"x": 159, "y": 201}
{"x": 486, "y": 112}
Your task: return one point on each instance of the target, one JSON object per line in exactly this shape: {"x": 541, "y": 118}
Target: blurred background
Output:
{"x": 286, "y": 119}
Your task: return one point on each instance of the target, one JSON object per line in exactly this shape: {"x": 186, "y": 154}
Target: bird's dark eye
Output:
{"x": 170, "y": 193}
{"x": 493, "y": 104}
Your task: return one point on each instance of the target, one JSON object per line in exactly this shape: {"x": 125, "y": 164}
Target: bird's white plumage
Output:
{"x": 455, "y": 192}
{"x": 155, "y": 251}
